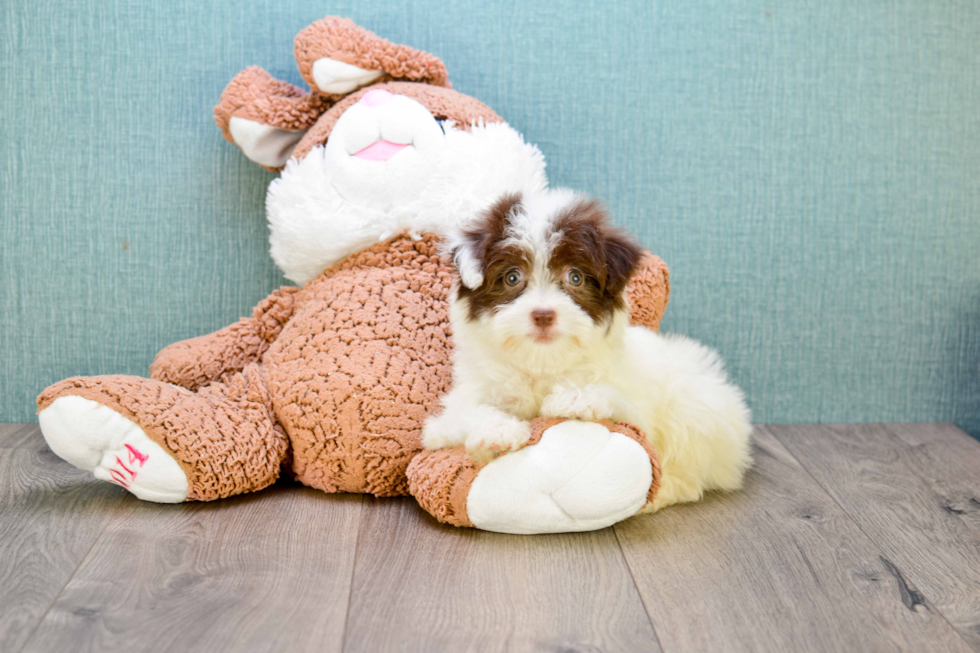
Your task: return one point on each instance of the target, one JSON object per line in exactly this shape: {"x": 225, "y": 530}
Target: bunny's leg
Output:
{"x": 569, "y": 476}
{"x": 164, "y": 443}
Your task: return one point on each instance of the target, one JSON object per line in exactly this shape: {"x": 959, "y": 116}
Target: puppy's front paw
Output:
{"x": 442, "y": 431}
{"x": 495, "y": 436}
{"x": 590, "y": 402}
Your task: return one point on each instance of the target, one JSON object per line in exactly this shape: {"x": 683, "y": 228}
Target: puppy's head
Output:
{"x": 544, "y": 270}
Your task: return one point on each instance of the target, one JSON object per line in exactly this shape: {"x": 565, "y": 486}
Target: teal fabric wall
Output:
{"x": 809, "y": 170}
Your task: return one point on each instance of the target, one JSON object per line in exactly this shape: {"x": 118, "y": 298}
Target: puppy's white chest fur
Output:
{"x": 541, "y": 325}
{"x": 523, "y": 393}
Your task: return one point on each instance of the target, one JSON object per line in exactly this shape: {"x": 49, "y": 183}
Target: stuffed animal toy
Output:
{"x": 331, "y": 381}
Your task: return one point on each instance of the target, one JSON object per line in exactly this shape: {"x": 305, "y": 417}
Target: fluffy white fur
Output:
{"x": 331, "y": 204}
{"x": 671, "y": 387}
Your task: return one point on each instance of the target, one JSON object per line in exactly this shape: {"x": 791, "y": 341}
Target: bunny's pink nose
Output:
{"x": 376, "y": 98}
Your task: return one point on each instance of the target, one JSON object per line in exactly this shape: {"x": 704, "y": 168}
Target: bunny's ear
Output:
{"x": 266, "y": 117}
{"x": 336, "y": 57}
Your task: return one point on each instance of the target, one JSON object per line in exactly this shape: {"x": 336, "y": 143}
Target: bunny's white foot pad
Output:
{"x": 96, "y": 438}
{"x": 579, "y": 477}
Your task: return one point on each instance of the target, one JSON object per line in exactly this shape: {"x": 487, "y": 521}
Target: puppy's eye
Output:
{"x": 574, "y": 278}
{"x": 513, "y": 277}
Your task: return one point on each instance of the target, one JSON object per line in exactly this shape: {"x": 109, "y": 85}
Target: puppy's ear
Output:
{"x": 471, "y": 250}
{"x": 622, "y": 256}
{"x": 467, "y": 262}
{"x": 589, "y": 239}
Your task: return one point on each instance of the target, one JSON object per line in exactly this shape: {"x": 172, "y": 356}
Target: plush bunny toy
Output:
{"x": 333, "y": 380}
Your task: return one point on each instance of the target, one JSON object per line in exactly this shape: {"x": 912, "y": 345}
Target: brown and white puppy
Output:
{"x": 541, "y": 327}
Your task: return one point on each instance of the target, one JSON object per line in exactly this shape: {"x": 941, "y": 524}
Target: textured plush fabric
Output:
{"x": 649, "y": 291}
{"x": 341, "y": 39}
{"x": 440, "y": 480}
{"x": 199, "y": 361}
{"x": 443, "y": 103}
{"x": 357, "y": 370}
{"x": 807, "y": 169}
{"x": 255, "y": 95}
{"x": 224, "y": 437}
{"x": 347, "y": 368}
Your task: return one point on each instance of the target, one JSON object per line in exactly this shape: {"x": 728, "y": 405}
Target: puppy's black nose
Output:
{"x": 543, "y": 317}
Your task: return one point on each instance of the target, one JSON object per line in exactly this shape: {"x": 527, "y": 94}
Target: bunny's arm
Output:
{"x": 199, "y": 361}
{"x": 649, "y": 291}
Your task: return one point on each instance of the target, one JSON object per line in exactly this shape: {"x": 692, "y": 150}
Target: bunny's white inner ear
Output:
{"x": 339, "y": 78}
{"x": 266, "y": 145}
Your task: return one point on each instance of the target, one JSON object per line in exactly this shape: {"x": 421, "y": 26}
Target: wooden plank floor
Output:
{"x": 845, "y": 538}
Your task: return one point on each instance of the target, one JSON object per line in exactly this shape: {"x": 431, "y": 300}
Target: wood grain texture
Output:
{"x": 898, "y": 498}
{"x": 948, "y": 461}
{"x": 22, "y": 436}
{"x": 265, "y": 572}
{"x": 50, "y": 516}
{"x": 422, "y": 586}
{"x": 845, "y": 538}
{"x": 7, "y": 429}
{"x": 777, "y": 567}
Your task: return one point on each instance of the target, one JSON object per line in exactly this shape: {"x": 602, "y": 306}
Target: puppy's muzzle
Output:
{"x": 543, "y": 317}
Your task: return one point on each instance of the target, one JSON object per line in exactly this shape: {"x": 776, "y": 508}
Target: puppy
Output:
{"x": 541, "y": 326}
